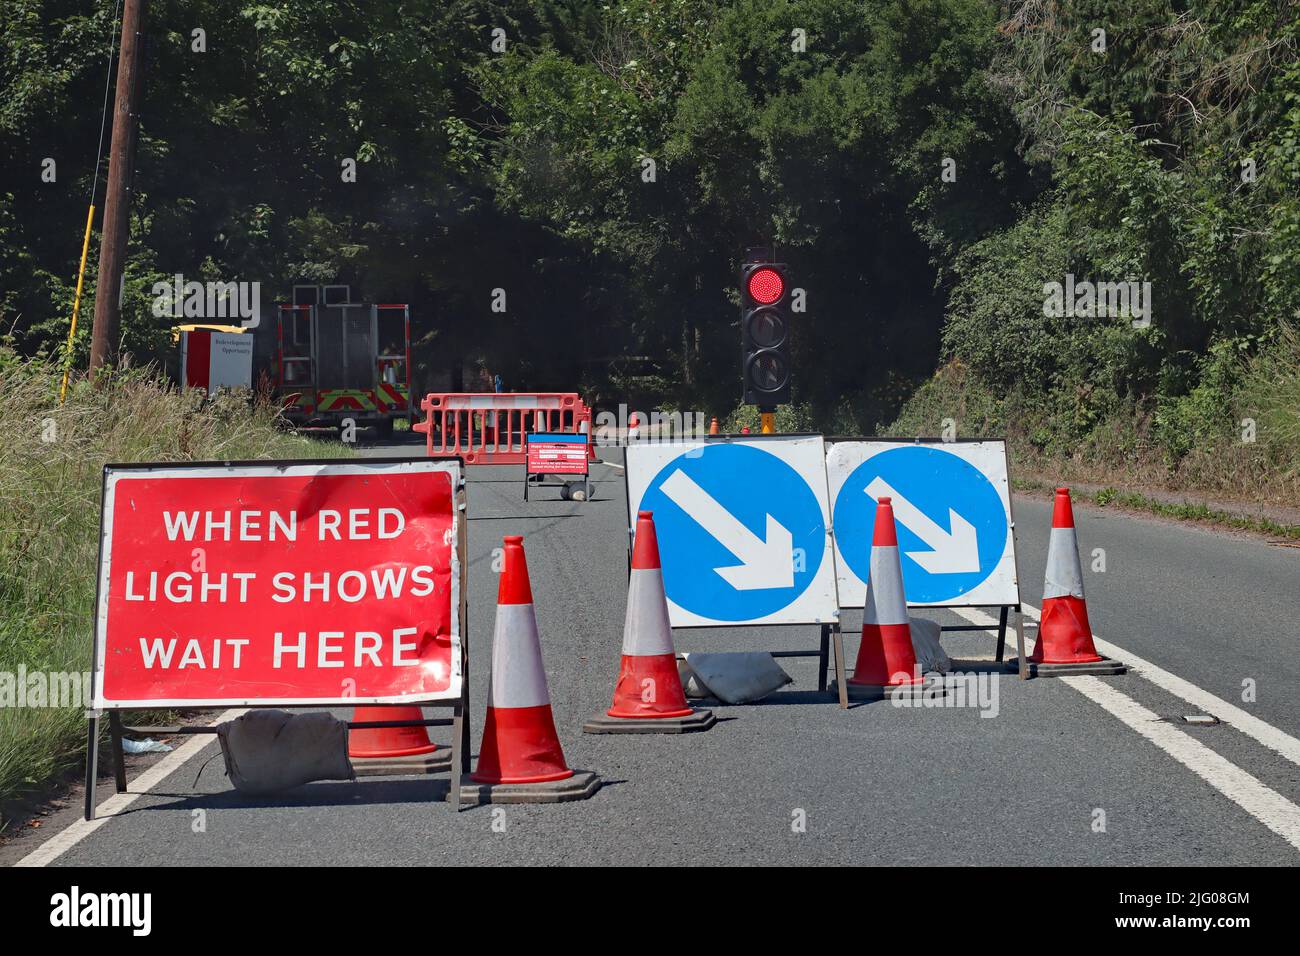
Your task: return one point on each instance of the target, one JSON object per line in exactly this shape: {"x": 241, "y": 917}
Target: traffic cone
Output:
{"x": 520, "y": 760}
{"x": 1064, "y": 643}
{"x": 648, "y": 696}
{"x": 390, "y": 750}
{"x": 713, "y": 426}
{"x": 886, "y": 658}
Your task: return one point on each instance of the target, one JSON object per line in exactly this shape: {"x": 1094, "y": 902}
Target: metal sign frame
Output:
{"x": 459, "y": 720}
{"x": 565, "y": 438}
{"x": 831, "y": 636}
{"x": 1004, "y": 610}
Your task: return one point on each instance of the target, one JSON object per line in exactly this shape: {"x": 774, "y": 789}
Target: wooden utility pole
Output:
{"x": 117, "y": 199}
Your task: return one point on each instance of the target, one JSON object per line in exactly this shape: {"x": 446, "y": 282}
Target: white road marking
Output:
{"x": 609, "y": 464}
{"x": 1265, "y": 733}
{"x": 1263, "y": 803}
{"x": 60, "y": 843}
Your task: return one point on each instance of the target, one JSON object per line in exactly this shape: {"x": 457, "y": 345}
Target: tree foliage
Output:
{"x": 609, "y": 166}
{"x": 1173, "y": 160}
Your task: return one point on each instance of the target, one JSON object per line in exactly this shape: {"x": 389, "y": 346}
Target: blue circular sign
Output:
{"x": 952, "y": 526}
{"x": 741, "y": 535}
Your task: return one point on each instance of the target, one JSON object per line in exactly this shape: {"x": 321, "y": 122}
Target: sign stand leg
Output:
{"x": 823, "y": 657}
{"x": 92, "y": 764}
{"x": 460, "y": 721}
{"x": 464, "y": 726}
{"x": 1002, "y": 632}
{"x": 838, "y": 637}
{"x": 119, "y": 758}
{"x": 458, "y": 753}
{"x": 1020, "y": 643}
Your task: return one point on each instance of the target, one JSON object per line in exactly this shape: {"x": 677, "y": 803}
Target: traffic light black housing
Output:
{"x": 765, "y": 333}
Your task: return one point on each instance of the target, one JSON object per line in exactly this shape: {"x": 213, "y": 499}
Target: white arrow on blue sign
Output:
{"x": 742, "y": 527}
{"x": 952, "y": 511}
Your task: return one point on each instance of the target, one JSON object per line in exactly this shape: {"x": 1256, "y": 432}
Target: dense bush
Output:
{"x": 1173, "y": 160}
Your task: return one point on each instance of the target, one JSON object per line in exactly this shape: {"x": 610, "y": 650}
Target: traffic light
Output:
{"x": 765, "y": 332}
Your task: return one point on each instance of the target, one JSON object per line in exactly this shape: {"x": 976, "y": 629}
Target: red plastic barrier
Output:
{"x": 489, "y": 428}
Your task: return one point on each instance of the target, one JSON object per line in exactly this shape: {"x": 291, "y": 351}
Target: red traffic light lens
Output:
{"x": 766, "y": 286}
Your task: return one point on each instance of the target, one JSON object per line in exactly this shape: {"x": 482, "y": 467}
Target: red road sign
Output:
{"x": 293, "y": 583}
{"x": 557, "y": 454}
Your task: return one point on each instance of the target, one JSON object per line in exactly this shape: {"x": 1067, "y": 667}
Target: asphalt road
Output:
{"x": 877, "y": 784}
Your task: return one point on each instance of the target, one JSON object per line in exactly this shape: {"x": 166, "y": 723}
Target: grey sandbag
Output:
{"x": 267, "y": 751}
{"x": 737, "y": 678}
{"x": 930, "y": 654}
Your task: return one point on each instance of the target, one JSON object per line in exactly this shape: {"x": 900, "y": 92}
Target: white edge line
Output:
{"x": 609, "y": 464}
{"x": 61, "y": 842}
{"x": 1259, "y": 730}
{"x": 1263, "y": 803}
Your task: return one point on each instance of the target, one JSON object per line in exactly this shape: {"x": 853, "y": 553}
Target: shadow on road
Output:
{"x": 325, "y": 793}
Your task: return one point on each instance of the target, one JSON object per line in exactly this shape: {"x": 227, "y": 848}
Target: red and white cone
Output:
{"x": 886, "y": 657}
{"x": 648, "y": 696}
{"x": 1064, "y": 635}
{"x": 521, "y": 759}
{"x": 391, "y": 750}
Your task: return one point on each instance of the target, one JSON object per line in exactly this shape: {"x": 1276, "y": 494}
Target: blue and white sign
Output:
{"x": 743, "y": 528}
{"x": 952, "y": 510}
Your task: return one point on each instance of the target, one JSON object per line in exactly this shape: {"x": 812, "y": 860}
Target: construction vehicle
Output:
{"x": 338, "y": 360}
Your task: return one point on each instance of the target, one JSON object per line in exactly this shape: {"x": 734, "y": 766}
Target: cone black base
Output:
{"x": 699, "y": 721}
{"x": 439, "y": 761}
{"x": 1104, "y": 667}
{"x": 929, "y": 688}
{"x": 580, "y": 786}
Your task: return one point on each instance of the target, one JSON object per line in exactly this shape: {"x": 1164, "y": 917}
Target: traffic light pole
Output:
{"x": 768, "y": 418}
{"x": 117, "y": 203}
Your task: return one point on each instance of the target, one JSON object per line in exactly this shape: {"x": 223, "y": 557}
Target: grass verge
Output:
{"x": 1182, "y": 510}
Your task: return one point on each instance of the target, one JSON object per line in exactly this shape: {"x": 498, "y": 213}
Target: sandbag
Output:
{"x": 736, "y": 678}
{"x": 267, "y": 751}
{"x": 930, "y": 654}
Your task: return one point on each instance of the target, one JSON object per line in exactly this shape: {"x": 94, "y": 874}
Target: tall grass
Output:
{"x": 1271, "y": 395}
{"x": 51, "y": 461}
